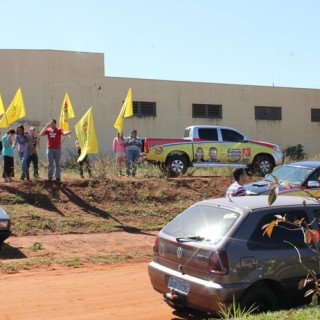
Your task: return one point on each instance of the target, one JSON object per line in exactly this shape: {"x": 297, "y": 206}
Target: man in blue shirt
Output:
{"x": 133, "y": 147}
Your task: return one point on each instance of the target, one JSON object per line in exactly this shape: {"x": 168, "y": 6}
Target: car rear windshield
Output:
{"x": 208, "y": 223}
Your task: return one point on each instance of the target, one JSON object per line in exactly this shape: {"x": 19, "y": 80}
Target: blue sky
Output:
{"x": 254, "y": 42}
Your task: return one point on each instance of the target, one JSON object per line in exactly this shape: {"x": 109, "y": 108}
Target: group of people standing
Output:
{"x": 27, "y": 143}
{"x": 127, "y": 152}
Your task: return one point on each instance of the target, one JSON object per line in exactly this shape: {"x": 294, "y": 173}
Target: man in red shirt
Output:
{"x": 54, "y": 147}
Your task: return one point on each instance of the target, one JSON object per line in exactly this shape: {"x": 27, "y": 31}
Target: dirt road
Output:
{"x": 90, "y": 292}
{"x": 113, "y": 293}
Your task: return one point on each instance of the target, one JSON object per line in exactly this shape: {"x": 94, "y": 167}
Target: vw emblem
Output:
{"x": 179, "y": 252}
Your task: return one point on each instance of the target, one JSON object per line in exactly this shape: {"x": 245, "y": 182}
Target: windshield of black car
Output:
{"x": 202, "y": 223}
{"x": 290, "y": 174}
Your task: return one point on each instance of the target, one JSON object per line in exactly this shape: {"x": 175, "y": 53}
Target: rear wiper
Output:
{"x": 193, "y": 238}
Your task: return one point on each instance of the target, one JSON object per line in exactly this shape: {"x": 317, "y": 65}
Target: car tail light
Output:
{"x": 5, "y": 224}
{"x": 218, "y": 263}
{"x": 156, "y": 247}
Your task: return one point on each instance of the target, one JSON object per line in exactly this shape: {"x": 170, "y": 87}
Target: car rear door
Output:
{"x": 272, "y": 255}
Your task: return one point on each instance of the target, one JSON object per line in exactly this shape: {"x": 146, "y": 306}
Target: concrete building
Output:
{"x": 285, "y": 116}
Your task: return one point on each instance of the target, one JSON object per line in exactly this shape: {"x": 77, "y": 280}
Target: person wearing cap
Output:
{"x": 236, "y": 189}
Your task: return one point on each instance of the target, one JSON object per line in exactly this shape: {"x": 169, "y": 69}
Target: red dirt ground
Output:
{"x": 89, "y": 290}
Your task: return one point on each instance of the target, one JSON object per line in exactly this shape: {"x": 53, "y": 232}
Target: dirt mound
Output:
{"x": 73, "y": 223}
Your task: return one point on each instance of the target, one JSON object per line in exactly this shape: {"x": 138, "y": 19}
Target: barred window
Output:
{"x": 144, "y": 109}
{"x": 268, "y": 113}
{"x": 213, "y": 111}
{"x": 315, "y": 115}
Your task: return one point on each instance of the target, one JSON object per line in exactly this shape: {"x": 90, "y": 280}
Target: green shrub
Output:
{"x": 295, "y": 153}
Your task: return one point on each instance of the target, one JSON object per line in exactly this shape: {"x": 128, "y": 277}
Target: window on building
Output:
{"x": 315, "y": 115}
{"x": 213, "y": 111}
{"x": 268, "y": 113}
{"x": 144, "y": 109}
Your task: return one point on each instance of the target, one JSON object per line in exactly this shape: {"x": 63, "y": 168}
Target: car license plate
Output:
{"x": 179, "y": 285}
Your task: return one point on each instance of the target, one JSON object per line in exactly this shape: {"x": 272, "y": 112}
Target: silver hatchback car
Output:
{"x": 215, "y": 252}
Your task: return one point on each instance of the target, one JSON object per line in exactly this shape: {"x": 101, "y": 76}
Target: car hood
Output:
{"x": 261, "y": 187}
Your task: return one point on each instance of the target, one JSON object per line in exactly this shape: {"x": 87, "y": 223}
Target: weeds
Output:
{"x": 90, "y": 190}
{"x": 234, "y": 311}
{"x": 37, "y": 246}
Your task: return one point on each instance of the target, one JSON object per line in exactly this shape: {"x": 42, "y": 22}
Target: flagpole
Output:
{"x": 5, "y": 115}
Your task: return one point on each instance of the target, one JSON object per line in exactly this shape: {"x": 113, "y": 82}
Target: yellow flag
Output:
{"x": 128, "y": 105}
{"x": 125, "y": 112}
{"x": 1, "y": 106}
{"x": 86, "y": 135}
{"x": 15, "y": 110}
{"x": 66, "y": 113}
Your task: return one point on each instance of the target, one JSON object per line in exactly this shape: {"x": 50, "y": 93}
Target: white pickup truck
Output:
{"x": 212, "y": 146}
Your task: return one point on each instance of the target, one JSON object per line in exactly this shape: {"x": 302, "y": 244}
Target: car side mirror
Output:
{"x": 313, "y": 184}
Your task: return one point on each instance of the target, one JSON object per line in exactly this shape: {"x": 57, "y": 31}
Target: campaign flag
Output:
{"x": 125, "y": 112}
{"x": 15, "y": 111}
{"x": 1, "y": 106}
{"x": 66, "y": 113}
{"x": 86, "y": 135}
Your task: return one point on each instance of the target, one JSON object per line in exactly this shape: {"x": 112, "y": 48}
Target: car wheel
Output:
{"x": 177, "y": 165}
{"x": 261, "y": 298}
{"x": 263, "y": 165}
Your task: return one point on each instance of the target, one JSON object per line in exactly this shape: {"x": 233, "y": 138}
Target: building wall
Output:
{"x": 46, "y": 75}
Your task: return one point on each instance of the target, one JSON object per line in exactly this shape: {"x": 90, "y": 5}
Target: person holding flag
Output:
{"x": 133, "y": 147}
{"x": 86, "y": 136}
{"x": 66, "y": 113}
{"x": 54, "y": 148}
{"x": 85, "y": 162}
{"x": 125, "y": 112}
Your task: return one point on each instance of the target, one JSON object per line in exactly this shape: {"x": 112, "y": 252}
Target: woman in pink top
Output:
{"x": 119, "y": 149}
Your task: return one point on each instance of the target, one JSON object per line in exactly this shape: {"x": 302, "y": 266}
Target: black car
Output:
{"x": 299, "y": 175}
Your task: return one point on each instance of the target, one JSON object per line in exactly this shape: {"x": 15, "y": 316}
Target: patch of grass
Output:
{"x": 36, "y": 246}
{"x": 305, "y": 313}
{"x": 116, "y": 258}
{"x": 35, "y": 216}
{"x": 74, "y": 262}
{"x": 234, "y": 311}
{"x": 12, "y": 199}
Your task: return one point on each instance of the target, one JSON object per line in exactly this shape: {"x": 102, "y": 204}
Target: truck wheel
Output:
{"x": 263, "y": 165}
{"x": 177, "y": 165}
